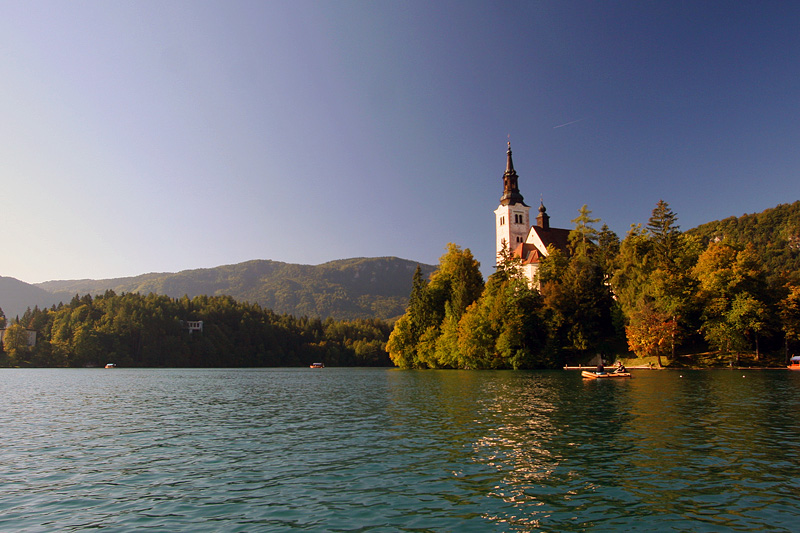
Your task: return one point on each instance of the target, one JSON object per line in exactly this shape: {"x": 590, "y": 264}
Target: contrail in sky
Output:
{"x": 568, "y": 123}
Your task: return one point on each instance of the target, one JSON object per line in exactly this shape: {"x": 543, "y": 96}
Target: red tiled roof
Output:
{"x": 558, "y": 237}
{"x": 528, "y": 253}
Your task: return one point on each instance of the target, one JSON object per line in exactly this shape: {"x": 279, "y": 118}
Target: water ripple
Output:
{"x": 388, "y": 450}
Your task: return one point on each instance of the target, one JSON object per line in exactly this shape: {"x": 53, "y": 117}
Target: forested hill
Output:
{"x": 344, "y": 289}
{"x": 16, "y": 296}
{"x": 774, "y": 233}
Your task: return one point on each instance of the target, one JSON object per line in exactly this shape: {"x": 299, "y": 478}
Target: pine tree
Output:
{"x": 584, "y": 235}
{"x": 664, "y": 232}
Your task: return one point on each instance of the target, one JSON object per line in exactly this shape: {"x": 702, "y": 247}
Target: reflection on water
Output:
{"x": 388, "y": 450}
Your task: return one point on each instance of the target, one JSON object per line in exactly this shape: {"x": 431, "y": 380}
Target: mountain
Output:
{"x": 16, "y": 296}
{"x": 343, "y": 289}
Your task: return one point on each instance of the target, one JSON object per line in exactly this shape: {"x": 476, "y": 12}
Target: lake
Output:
{"x": 342, "y": 449}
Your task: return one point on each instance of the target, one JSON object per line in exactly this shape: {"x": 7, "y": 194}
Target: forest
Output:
{"x": 725, "y": 293}
{"x": 345, "y": 289}
{"x": 132, "y": 330}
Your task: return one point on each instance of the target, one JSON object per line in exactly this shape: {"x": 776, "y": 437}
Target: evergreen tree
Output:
{"x": 421, "y": 309}
{"x": 653, "y": 284}
{"x": 577, "y": 299}
{"x": 608, "y": 249}
{"x": 584, "y": 235}
{"x": 664, "y": 232}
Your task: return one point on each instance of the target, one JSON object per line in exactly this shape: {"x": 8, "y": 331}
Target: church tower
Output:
{"x": 512, "y": 217}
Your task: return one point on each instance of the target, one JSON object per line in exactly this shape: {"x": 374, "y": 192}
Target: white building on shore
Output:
{"x": 514, "y": 231}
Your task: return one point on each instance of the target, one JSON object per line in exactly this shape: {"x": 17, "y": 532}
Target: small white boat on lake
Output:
{"x": 605, "y": 375}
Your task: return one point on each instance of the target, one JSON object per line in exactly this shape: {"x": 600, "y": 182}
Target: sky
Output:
{"x": 142, "y": 136}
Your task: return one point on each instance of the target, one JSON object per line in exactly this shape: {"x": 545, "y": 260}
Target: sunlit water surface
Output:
{"x": 390, "y": 450}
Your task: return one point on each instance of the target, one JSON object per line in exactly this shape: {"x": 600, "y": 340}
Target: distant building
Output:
{"x": 31, "y": 336}
{"x": 192, "y": 325}
{"x": 513, "y": 229}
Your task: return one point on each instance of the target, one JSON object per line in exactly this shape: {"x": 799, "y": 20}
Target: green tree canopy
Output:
{"x": 584, "y": 234}
{"x": 15, "y": 344}
{"x": 425, "y": 336}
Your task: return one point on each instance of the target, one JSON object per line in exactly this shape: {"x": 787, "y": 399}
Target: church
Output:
{"x": 514, "y": 231}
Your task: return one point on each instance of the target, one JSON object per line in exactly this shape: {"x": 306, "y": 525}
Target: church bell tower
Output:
{"x": 512, "y": 217}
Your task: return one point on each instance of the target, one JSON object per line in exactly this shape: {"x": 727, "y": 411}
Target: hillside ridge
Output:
{"x": 360, "y": 287}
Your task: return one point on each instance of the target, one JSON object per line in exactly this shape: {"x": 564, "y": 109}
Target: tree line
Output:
{"x": 659, "y": 293}
{"x": 134, "y": 330}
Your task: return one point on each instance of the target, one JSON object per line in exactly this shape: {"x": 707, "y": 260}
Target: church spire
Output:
{"x": 511, "y": 194}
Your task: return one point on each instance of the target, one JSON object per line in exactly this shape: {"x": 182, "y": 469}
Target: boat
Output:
{"x": 604, "y": 375}
{"x": 316, "y": 365}
{"x": 111, "y": 365}
{"x": 794, "y": 363}
{"x": 637, "y": 367}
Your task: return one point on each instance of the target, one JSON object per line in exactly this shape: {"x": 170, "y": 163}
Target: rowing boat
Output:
{"x": 604, "y": 375}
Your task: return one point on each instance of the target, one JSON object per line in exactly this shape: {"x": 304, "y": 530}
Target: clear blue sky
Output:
{"x": 160, "y": 136}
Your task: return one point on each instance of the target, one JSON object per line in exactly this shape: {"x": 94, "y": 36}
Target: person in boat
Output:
{"x": 600, "y": 368}
{"x": 620, "y": 368}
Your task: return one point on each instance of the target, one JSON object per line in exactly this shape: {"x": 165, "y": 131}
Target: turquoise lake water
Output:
{"x": 391, "y": 450}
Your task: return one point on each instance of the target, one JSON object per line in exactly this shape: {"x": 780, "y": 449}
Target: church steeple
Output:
{"x": 511, "y": 194}
{"x": 512, "y": 216}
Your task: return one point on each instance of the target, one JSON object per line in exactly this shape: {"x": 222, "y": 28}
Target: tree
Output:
{"x": 608, "y": 249}
{"x": 475, "y": 338}
{"x": 631, "y": 276}
{"x": 446, "y": 350}
{"x": 584, "y": 235}
{"x": 434, "y": 309}
{"x": 732, "y": 288}
{"x": 652, "y": 274}
{"x": 577, "y": 300}
{"x": 457, "y": 280}
{"x": 790, "y": 317}
{"x": 15, "y": 344}
{"x": 664, "y": 233}
{"x": 749, "y": 315}
{"x": 586, "y": 303}
{"x": 553, "y": 266}
{"x": 421, "y": 311}
{"x": 649, "y": 331}
{"x": 401, "y": 344}
{"x": 504, "y": 328}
